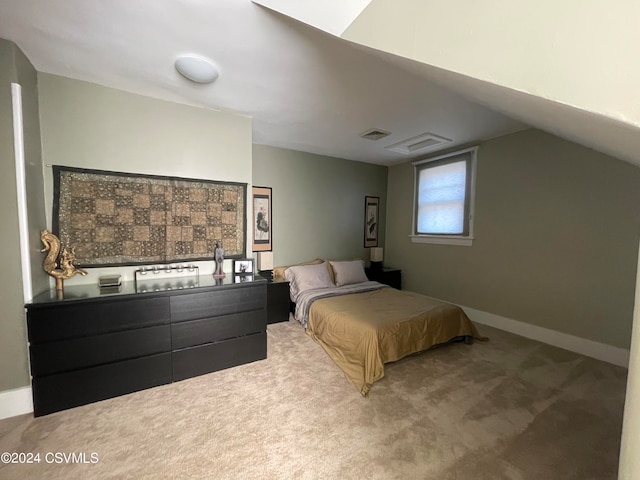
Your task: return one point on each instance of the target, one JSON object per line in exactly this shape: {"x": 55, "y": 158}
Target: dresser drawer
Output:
{"x": 53, "y": 393}
{"x": 207, "y": 330}
{"x": 212, "y": 357}
{"x": 222, "y": 302}
{"x": 75, "y": 353}
{"x": 90, "y": 347}
{"x": 61, "y": 322}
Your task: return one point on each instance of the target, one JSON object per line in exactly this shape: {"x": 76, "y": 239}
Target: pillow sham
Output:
{"x": 346, "y": 273}
{"x": 278, "y": 272}
{"x": 307, "y": 277}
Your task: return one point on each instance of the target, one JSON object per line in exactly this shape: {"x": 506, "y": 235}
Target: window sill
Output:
{"x": 442, "y": 240}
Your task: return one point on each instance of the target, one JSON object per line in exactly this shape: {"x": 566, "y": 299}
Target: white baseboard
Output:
{"x": 15, "y": 402}
{"x": 606, "y": 353}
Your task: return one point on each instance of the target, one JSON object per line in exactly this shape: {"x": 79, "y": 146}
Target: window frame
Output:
{"x": 470, "y": 156}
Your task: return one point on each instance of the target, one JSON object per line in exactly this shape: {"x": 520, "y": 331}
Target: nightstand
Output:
{"x": 386, "y": 275}
{"x": 277, "y": 299}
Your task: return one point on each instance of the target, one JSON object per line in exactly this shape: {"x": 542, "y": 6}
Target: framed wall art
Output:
{"x": 371, "y": 220}
{"x": 261, "y": 226}
{"x": 113, "y": 218}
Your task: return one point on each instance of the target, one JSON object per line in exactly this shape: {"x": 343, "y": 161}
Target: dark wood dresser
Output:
{"x": 91, "y": 346}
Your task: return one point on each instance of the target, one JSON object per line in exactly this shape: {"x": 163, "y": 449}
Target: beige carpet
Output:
{"x": 510, "y": 408}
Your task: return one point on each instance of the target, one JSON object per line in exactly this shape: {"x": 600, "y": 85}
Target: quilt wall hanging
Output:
{"x": 113, "y": 218}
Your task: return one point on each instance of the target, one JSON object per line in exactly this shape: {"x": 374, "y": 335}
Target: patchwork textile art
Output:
{"x": 128, "y": 219}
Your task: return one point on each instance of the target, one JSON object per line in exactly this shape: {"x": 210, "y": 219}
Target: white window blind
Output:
{"x": 441, "y": 199}
{"x": 444, "y": 192}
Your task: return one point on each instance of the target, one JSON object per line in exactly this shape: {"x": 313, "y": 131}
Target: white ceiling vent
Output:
{"x": 419, "y": 143}
{"x": 375, "y": 134}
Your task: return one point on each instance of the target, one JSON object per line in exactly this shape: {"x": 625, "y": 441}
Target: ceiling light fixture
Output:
{"x": 197, "y": 69}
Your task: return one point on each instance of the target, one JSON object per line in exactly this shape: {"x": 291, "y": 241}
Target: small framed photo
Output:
{"x": 371, "y": 205}
{"x": 261, "y": 230}
{"x": 243, "y": 266}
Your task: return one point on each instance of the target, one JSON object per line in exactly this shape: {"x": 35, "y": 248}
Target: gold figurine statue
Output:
{"x": 66, "y": 270}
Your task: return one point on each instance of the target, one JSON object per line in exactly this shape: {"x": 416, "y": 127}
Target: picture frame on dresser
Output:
{"x": 243, "y": 270}
{"x": 243, "y": 267}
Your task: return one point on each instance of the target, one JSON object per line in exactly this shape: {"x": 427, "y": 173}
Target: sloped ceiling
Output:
{"x": 570, "y": 69}
{"x": 304, "y": 88}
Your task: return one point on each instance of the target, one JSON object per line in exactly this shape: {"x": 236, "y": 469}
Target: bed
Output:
{"x": 362, "y": 324}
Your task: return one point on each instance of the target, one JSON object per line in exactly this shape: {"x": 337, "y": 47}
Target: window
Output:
{"x": 444, "y": 194}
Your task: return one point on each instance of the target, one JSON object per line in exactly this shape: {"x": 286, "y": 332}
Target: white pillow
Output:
{"x": 350, "y": 272}
{"x": 307, "y": 277}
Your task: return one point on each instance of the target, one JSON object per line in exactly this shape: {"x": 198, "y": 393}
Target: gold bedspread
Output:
{"x": 363, "y": 331}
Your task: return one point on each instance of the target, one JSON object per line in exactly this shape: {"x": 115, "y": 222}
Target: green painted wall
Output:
{"x": 90, "y": 126}
{"x": 16, "y": 68}
{"x": 557, "y": 227}
{"x": 318, "y": 203}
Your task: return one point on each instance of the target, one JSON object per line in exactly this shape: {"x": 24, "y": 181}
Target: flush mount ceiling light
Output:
{"x": 197, "y": 69}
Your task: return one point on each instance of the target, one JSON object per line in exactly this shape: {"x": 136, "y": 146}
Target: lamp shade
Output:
{"x": 377, "y": 254}
{"x": 265, "y": 261}
{"x": 197, "y": 69}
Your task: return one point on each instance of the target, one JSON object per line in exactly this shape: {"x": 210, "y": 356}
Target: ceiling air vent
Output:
{"x": 375, "y": 134}
{"x": 417, "y": 144}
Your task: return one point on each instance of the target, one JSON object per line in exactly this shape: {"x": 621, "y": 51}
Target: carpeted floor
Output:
{"x": 510, "y": 408}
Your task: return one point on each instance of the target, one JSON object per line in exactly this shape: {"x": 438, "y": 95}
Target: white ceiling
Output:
{"x": 305, "y": 89}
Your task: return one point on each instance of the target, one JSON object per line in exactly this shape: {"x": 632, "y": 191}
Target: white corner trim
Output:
{"x": 23, "y": 223}
{"x": 16, "y": 402}
{"x": 601, "y": 351}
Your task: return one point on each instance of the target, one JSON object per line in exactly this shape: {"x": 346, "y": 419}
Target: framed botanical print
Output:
{"x": 371, "y": 213}
{"x": 261, "y": 228}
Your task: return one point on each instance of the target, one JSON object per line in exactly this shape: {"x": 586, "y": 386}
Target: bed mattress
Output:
{"x": 363, "y": 331}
